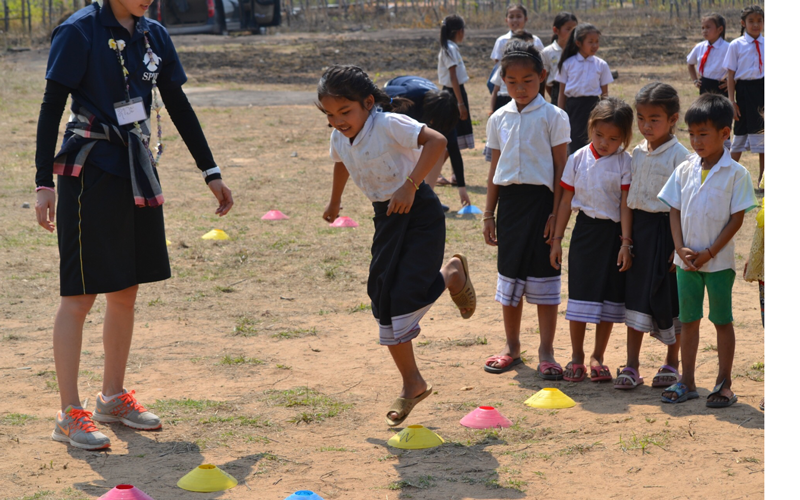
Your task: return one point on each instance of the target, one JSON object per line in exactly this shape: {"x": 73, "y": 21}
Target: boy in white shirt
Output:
{"x": 708, "y": 196}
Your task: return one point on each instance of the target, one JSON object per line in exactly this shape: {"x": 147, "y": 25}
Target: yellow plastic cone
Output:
{"x": 216, "y": 234}
{"x": 550, "y": 399}
{"x": 207, "y": 478}
{"x": 415, "y": 437}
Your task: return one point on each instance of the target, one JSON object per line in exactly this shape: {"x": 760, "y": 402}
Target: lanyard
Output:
{"x": 155, "y": 105}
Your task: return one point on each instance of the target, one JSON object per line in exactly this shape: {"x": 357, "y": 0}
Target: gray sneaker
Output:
{"x": 126, "y": 410}
{"x": 75, "y": 426}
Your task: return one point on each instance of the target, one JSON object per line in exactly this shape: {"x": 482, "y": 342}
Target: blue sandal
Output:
{"x": 721, "y": 404}
{"x": 683, "y": 392}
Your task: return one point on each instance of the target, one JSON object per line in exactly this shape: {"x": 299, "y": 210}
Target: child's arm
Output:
{"x": 727, "y": 234}
{"x": 625, "y": 257}
{"x": 732, "y": 94}
{"x": 687, "y": 255}
{"x": 559, "y": 160}
{"x": 433, "y": 145}
{"x": 340, "y": 176}
{"x": 462, "y": 108}
{"x": 489, "y": 226}
{"x": 693, "y": 76}
{"x": 493, "y": 100}
{"x": 562, "y": 97}
{"x": 562, "y": 218}
{"x": 604, "y": 91}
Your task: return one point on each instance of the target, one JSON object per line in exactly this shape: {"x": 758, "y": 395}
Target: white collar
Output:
{"x": 581, "y": 58}
{"x": 724, "y": 161}
{"x": 671, "y": 142}
{"x": 716, "y": 42}
{"x": 536, "y": 103}
{"x": 750, "y": 39}
{"x": 366, "y": 129}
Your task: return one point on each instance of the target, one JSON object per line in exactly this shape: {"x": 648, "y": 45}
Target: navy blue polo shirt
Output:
{"x": 81, "y": 59}
{"x": 413, "y": 88}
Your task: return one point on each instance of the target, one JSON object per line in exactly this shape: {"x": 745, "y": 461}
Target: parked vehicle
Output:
{"x": 215, "y": 16}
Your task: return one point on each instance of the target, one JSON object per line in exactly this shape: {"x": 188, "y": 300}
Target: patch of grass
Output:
{"x": 516, "y": 484}
{"x": 660, "y": 439}
{"x": 421, "y": 482}
{"x": 423, "y": 343}
{"x": 92, "y": 376}
{"x": 283, "y": 367}
{"x": 295, "y": 333}
{"x": 749, "y": 460}
{"x": 361, "y": 307}
{"x": 470, "y": 342}
{"x": 155, "y": 302}
{"x": 579, "y": 448}
{"x": 388, "y": 457}
{"x": 333, "y": 448}
{"x": 239, "y": 360}
{"x": 245, "y": 327}
{"x": 17, "y": 419}
{"x": 65, "y": 494}
{"x": 319, "y": 406}
{"x": 49, "y": 379}
{"x": 235, "y": 420}
{"x": 175, "y": 406}
{"x": 710, "y": 347}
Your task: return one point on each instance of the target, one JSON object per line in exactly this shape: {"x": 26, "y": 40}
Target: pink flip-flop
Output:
{"x": 596, "y": 371}
{"x": 547, "y": 365}
{"x": 506, "y": 363}
{"x": 575, "y": 368}
{"x": 630, "y": 374}
{"x": 674, "y": 375}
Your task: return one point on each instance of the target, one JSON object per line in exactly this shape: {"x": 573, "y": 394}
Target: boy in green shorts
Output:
{"x": 708, "y": 195}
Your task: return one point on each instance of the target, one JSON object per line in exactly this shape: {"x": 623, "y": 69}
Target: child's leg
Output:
{"x": 726, "y": 346}
{"x": 117, "y": 334}
{"x": 720, "y": 312}
{"x": 634, "y": 347}
{"x": 454, "y": 277}
{"x": 672, "y": 359}
{"x": 413, "y": 383}
{"x": 512, "y": 319}
{"x": 760, "y": 168}
{"x": 67, "y": 336}
{"x": 548, "y": 316}
{"x": 601, "y": 337}
{"x": 577, "y": 334}
{"x": 690, "y": 341}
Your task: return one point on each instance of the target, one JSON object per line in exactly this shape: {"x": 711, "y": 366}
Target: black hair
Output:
{"x": 517, "y": 6}
{"x": 578, "y": 35}
{"x": 719, "y": 21}
{"x": 660, "y": 94}
{"x": 440, "y": 111}
{"x": 753, "y": 9}
{"x": 522, "y": 35}
{"x": 451, "y": 25}
{"x": 516, "y": 52}
{"x": 713, "y": 108}
{"x": 561, "y": 19}
{"x": 354, "y": 84}
{"x": 616, "y": 112}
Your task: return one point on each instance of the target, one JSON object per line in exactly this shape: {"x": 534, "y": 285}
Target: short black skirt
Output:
{"x": 106, "y": 243}
{"x": 750, "y": 99}
{"x": 466, "y": 139}
{"x": 579, "y": 109}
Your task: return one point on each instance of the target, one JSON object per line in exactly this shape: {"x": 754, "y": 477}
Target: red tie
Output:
{"x": 760, "y": 63}
{"x": 705, "y": 58}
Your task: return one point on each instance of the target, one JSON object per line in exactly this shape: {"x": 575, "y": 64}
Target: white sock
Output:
{"x": 106, "y": 399}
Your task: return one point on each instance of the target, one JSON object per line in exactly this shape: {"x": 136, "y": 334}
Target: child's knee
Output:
{"x": 77, "y": 305}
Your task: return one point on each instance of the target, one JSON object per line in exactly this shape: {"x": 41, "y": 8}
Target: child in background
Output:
{"x": 500, "y": 95}
{"x": 381, "y": 151}
{"x": 453, "y": 75}
{"x": 754, "y": 267}
{"x": 651, "y": 289}
{"x": 596, "y": 181}
{"x": 708, "y": 195}
{"x": 745, "y": 64}
{"x": 563, "y": 25}
{"x": 528, "y": 139}
{"x": 709, "y": 57}
{"x": 584, "y": 81}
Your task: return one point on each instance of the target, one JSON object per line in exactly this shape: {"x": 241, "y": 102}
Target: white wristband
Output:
{"x": 211, "y": 171}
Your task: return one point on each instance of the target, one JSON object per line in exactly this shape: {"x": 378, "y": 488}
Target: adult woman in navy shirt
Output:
{"x": 110, "y": 221}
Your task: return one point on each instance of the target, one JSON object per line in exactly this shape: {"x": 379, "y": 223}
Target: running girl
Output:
{"x": 381, "y": 151}
{"x": 584, "y": 80}
{"x": 596, "y": 181}
{"x": 528, "y": 139}
{"x": 113, "y": 61}
{"x": 709, "y": 57}
{"x": 563, "y": 25}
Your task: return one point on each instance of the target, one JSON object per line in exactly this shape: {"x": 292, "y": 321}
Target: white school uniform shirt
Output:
{"x": 447, "y": 61}
{"x": 584, "y": 76}
{"x": 706, "y": 207}
{"x": 551, "y": 55}
{"x": 526, "y": 140}
{"x": 502, "y": 40}
{"x": 742, "y": 58}
{"x": 650, "y": 171}
{"x": 382, "y": 155}
{"x": 715, "y": 64}
{"x": 597, "y": 182}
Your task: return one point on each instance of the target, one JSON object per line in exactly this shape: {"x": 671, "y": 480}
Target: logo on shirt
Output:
{"x": 151, "y": 60}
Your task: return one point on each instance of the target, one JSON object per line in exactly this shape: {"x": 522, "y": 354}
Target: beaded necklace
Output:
{"x": 155, "y": 105}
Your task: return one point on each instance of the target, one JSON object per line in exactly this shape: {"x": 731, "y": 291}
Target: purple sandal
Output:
{"x": 673, "y": 375}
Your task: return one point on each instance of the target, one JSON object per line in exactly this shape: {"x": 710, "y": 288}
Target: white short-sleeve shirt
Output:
{"x": 526, "y": 140}
{"x": 584, "y": 77}
{"x": 706, "y": 207}
{"x": 502, "y": 40}
{"x": 715, "y": 64}
{"x": 550, "y": 56}
{"x": 382, "y": 155}
{"x": 447, "y": 61}
{"x": 597, "y": 181}
{"x": 650, "y": 170}
{"x": 742, "y": 58}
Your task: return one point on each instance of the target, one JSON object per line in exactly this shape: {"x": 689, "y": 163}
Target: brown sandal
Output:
{"x": 403, "y": 407}
{"x": 465, "y": 299}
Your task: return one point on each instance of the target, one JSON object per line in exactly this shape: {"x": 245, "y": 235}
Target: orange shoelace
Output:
{"x": 131, "y": 402}
{"x": 81, "y": 419}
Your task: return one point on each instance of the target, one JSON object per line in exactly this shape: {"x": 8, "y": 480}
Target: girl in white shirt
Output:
{"x": 651, "y": 288}
{"x": 563, "y": 25}
{"x": 709, "y": 57}
{"x": 388, "y": 155}
{"x": 745, "y": 65}
{"x": 528, "y": 139}
{"x": 584, "y": 80}
{"x": 596, "y": 181}
{"x": 453, "y": 75}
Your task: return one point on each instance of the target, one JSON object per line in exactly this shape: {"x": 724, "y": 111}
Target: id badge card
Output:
{"x": 130, "y": 111}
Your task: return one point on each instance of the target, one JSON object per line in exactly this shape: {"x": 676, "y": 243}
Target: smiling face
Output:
{"x": 346, "y": 116}
{"x": 136, "y": 8}
{"x": 710, "y": 30}
{"x": 516, "y": 19}
{"x": 523, "y": 83}
{"x": 754, "y": 24}
{"x": 654, "y": 124}
{"x": 589, "y": 45}
{"x": 606, "y": 138}
{"x": 706, "y": 140}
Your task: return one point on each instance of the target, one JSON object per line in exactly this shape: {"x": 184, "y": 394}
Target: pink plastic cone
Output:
{"x": 485, "y": 417}
{"x": 125, "y": 492}
{"x": 344, "y": 222}
{"x": 274, "y": 215}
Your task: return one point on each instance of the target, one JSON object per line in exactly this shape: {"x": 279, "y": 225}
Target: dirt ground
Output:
{"x": 261, "y": 354}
